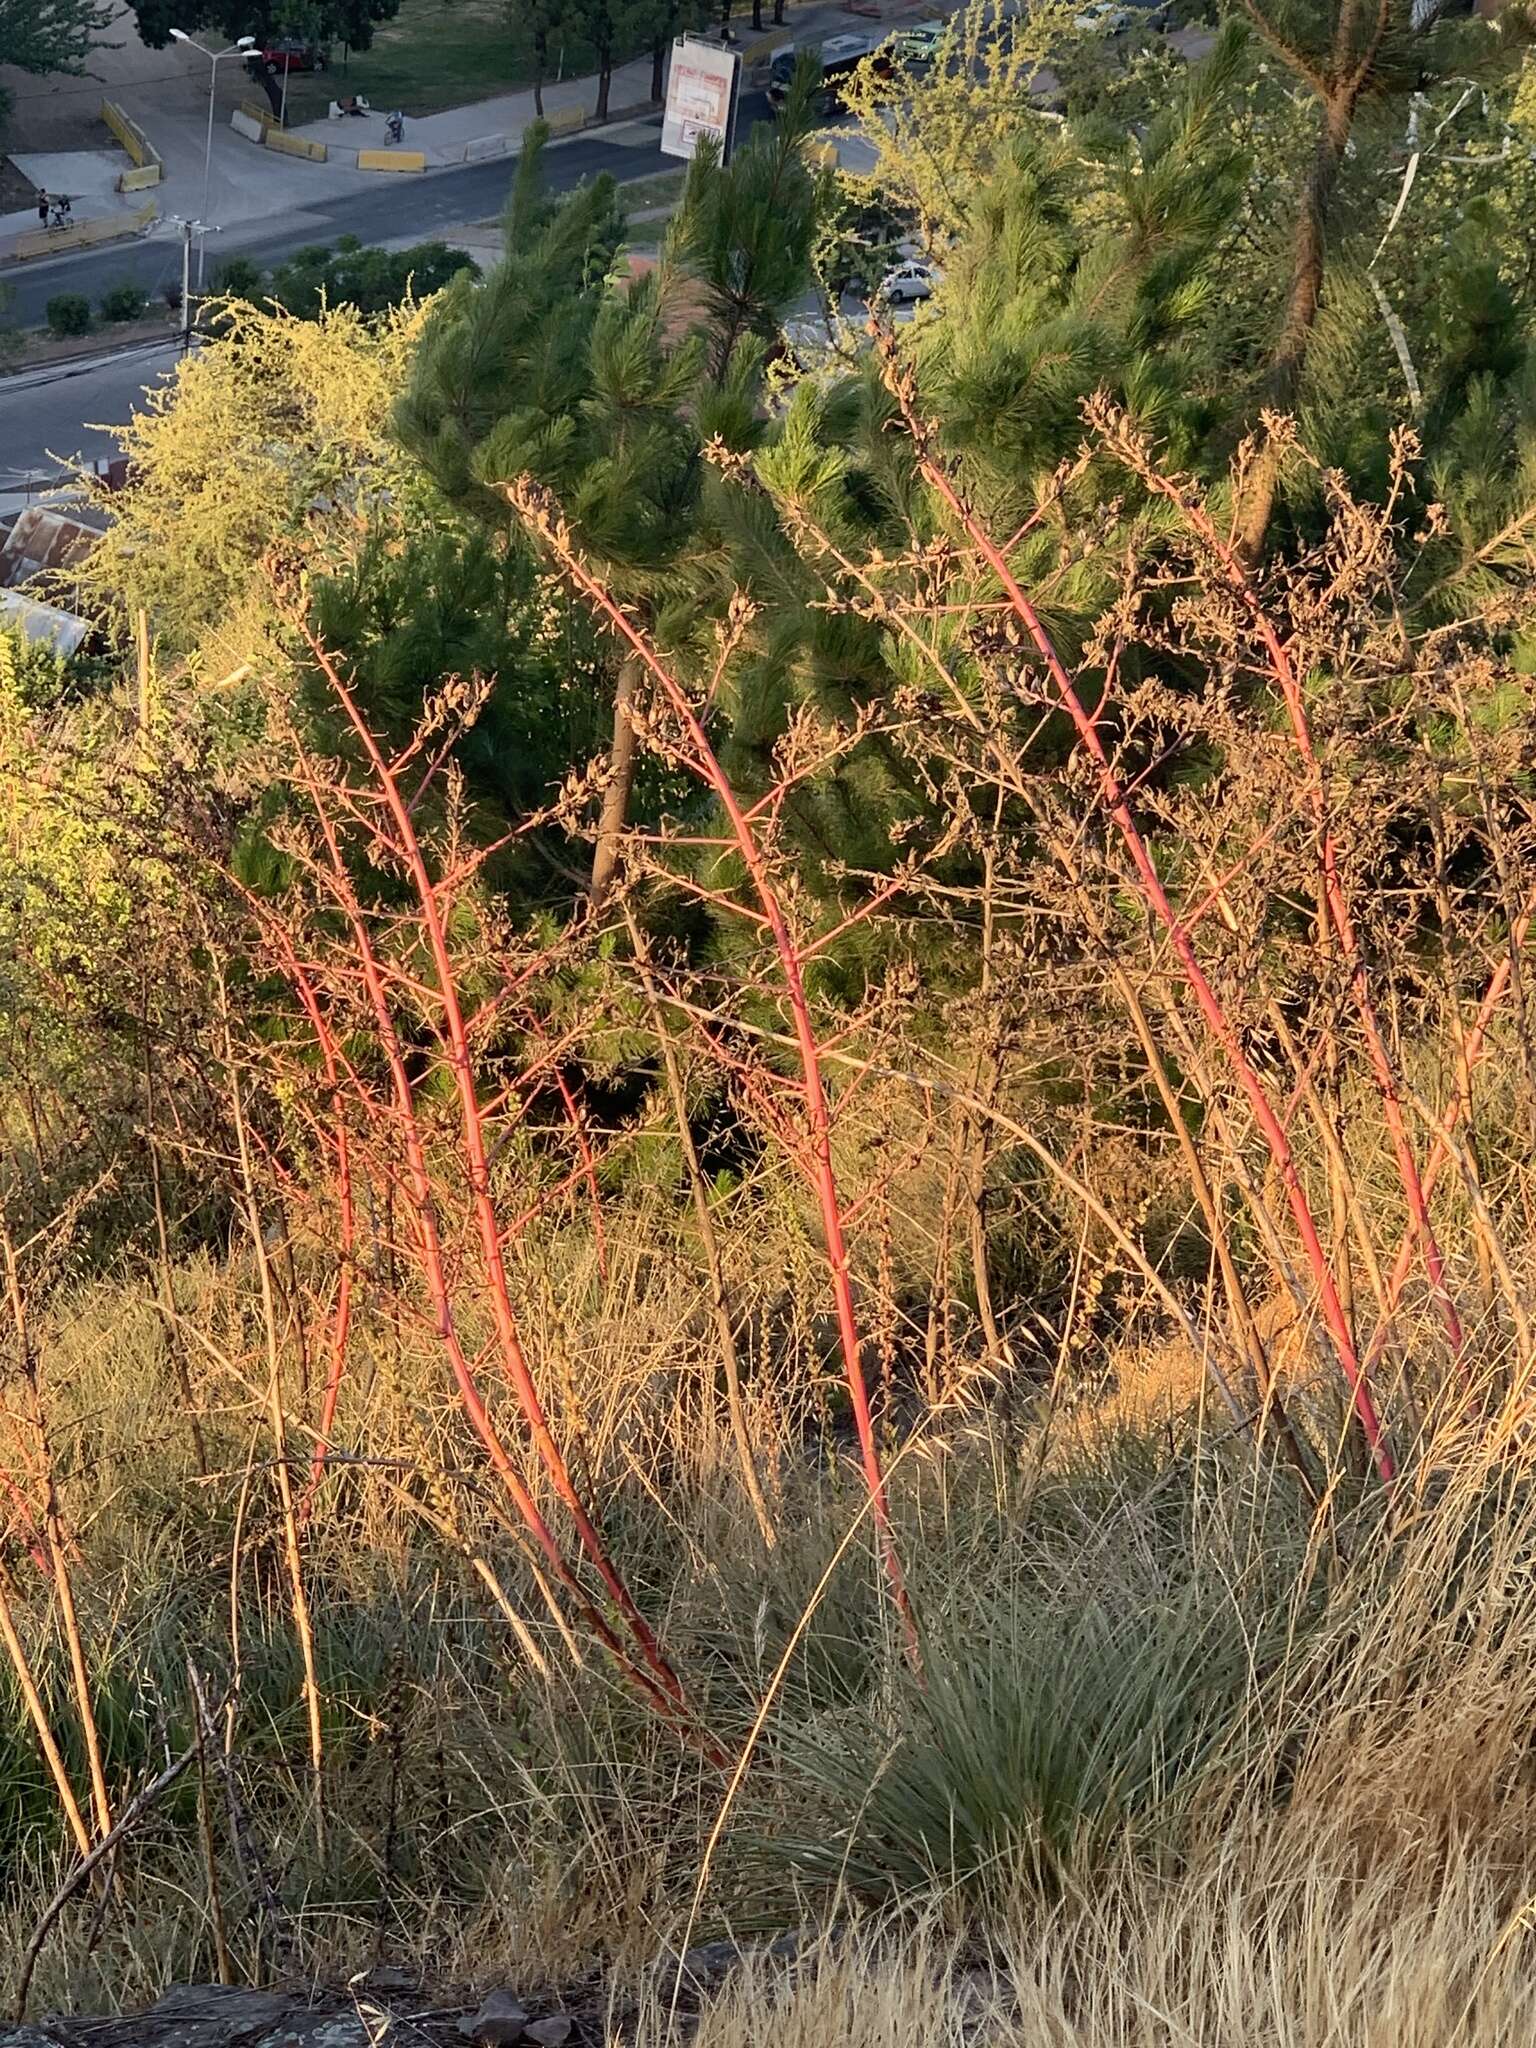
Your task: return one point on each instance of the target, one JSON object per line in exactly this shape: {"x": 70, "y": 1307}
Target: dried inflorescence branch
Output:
{"x": 694, "y": 746}
{"x": 400, "y": 978}
{"x": 1213, "y": 1011}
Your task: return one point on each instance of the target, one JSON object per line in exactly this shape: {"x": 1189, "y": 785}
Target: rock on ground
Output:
{"x": 225, "y": 2016}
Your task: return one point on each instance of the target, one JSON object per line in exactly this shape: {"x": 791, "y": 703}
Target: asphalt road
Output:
{"x": 418, "y": 206}
{"x": 62, "y": 412}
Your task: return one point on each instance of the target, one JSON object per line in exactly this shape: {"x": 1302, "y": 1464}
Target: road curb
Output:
{"x": 85, "y": 234}
{"x": 79, "y": 366}
{"x": 563, "y": 125}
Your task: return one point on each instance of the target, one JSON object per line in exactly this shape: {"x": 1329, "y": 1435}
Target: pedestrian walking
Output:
{"x": 42, "y": 209}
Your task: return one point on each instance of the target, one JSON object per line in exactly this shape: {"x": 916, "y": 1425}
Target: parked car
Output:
{"x": 292, "y": 53}
{"x": 1113, "y": 18}
{"x": 911, "y": 49}
{"x": 909, "y": 284}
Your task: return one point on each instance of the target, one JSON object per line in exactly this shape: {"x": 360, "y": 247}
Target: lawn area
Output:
{"x": 434, "y": 54}
{"x": 644, "y": 195}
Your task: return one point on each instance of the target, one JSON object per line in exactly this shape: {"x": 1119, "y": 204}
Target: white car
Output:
{"x": 916, "y": 47}
{"x": 909, "y": 283}
{"x": 1113, "y": 19}
{"x": 1107, "y": 16}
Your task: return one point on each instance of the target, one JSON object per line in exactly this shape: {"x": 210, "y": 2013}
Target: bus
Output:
{"x": 838, "y": 56}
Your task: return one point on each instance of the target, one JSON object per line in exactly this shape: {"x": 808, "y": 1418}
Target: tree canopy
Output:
{"x": 50, "y": 35}
{"x": 323, "y": 21}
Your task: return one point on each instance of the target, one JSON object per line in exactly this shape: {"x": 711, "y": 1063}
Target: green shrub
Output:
{"x": 370, "y": 279}
{"x": 1079, "y": 1702}
{"x": 239, "y": 278}
{"x": 123, "y": 302}
{"x": 68, "y": 313}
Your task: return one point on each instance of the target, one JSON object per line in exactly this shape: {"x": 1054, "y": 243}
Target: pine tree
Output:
{"x": 605, "y": 390}
{"x": 1354, "y": 58}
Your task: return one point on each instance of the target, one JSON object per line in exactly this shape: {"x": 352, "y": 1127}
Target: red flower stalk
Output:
{"x": 1156, "y": 898}
{"x": 659, "y": 1678}
{"x": 540, "y": 513}
{"x": 1284, "y": 672}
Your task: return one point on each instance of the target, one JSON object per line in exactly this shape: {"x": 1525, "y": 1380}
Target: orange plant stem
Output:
{"x": 1440, "y": 1146}
{"x": 822, "y": 1174}
{"x": 1284, "y": 672}
{"x": 508, "y": 1335}
{"x": 419, "y": 1187}
{"x": 1205, "y": 996}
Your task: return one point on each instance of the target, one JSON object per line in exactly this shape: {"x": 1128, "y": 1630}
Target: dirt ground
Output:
{"x": 59, "y": 112}
{"x": 16, "y": 192}
{"x": 35, "y": 345}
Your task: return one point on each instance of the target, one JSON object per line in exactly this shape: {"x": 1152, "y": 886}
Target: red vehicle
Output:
{"x": 292, "y": 53}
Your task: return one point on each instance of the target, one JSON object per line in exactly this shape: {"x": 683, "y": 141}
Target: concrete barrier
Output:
{"x": 391, "y": 160}
{"x": 257, "y": 125}
{"x": 293, "y": 145}
{"x": 142, "y": 154}
{"x": 84, "y": 234}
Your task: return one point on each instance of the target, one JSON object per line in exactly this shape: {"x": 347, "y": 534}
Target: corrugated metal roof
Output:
{"x": 42, "y": 622}
{"x": 46, "y": 537}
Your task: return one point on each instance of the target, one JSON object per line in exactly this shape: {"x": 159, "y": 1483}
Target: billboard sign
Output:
{"x": 701, "y": 97}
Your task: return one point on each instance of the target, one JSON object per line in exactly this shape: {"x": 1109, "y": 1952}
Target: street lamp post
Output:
{"x": 240, "y": 46}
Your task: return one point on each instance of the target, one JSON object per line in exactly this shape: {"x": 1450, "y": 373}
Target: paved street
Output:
{"x": 383, "y": 210}
{"x": 42, "y": 411}
{"x": 270, "y": 208}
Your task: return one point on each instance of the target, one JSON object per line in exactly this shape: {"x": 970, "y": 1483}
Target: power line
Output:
{"x": 100, "y": 86}
{"x": 88, "y": 369}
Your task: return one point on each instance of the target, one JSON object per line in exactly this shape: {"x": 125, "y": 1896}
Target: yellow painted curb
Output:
{"x": 391, "y": 160}
{"x": 765, "y": 45}
{"x": 140, "y": 150}
{"x": 85, "y": 234}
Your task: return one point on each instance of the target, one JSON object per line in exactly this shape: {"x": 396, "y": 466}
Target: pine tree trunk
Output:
{"x": 778, "y": 13}
{"x": 621, "y": 780}
{"x": 1339, "y": 87}
{"x": 540, "y": 66}
{"x": 757, "y": 16}
{"x": 604, "y": 81}
{"x": 658, "y": 67}
{"x": 1309, "y": 249}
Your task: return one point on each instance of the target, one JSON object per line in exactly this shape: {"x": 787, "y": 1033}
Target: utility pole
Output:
{"x": 188, "y": 228}
{"x": 186, "y": 286}
{"x": 239, "y": 48}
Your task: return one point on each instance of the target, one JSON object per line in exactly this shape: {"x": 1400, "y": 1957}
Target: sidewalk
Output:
{"x": 88, "y": 176}
{"x": 494, "y": 127}
{"x": 166, "y": 93}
